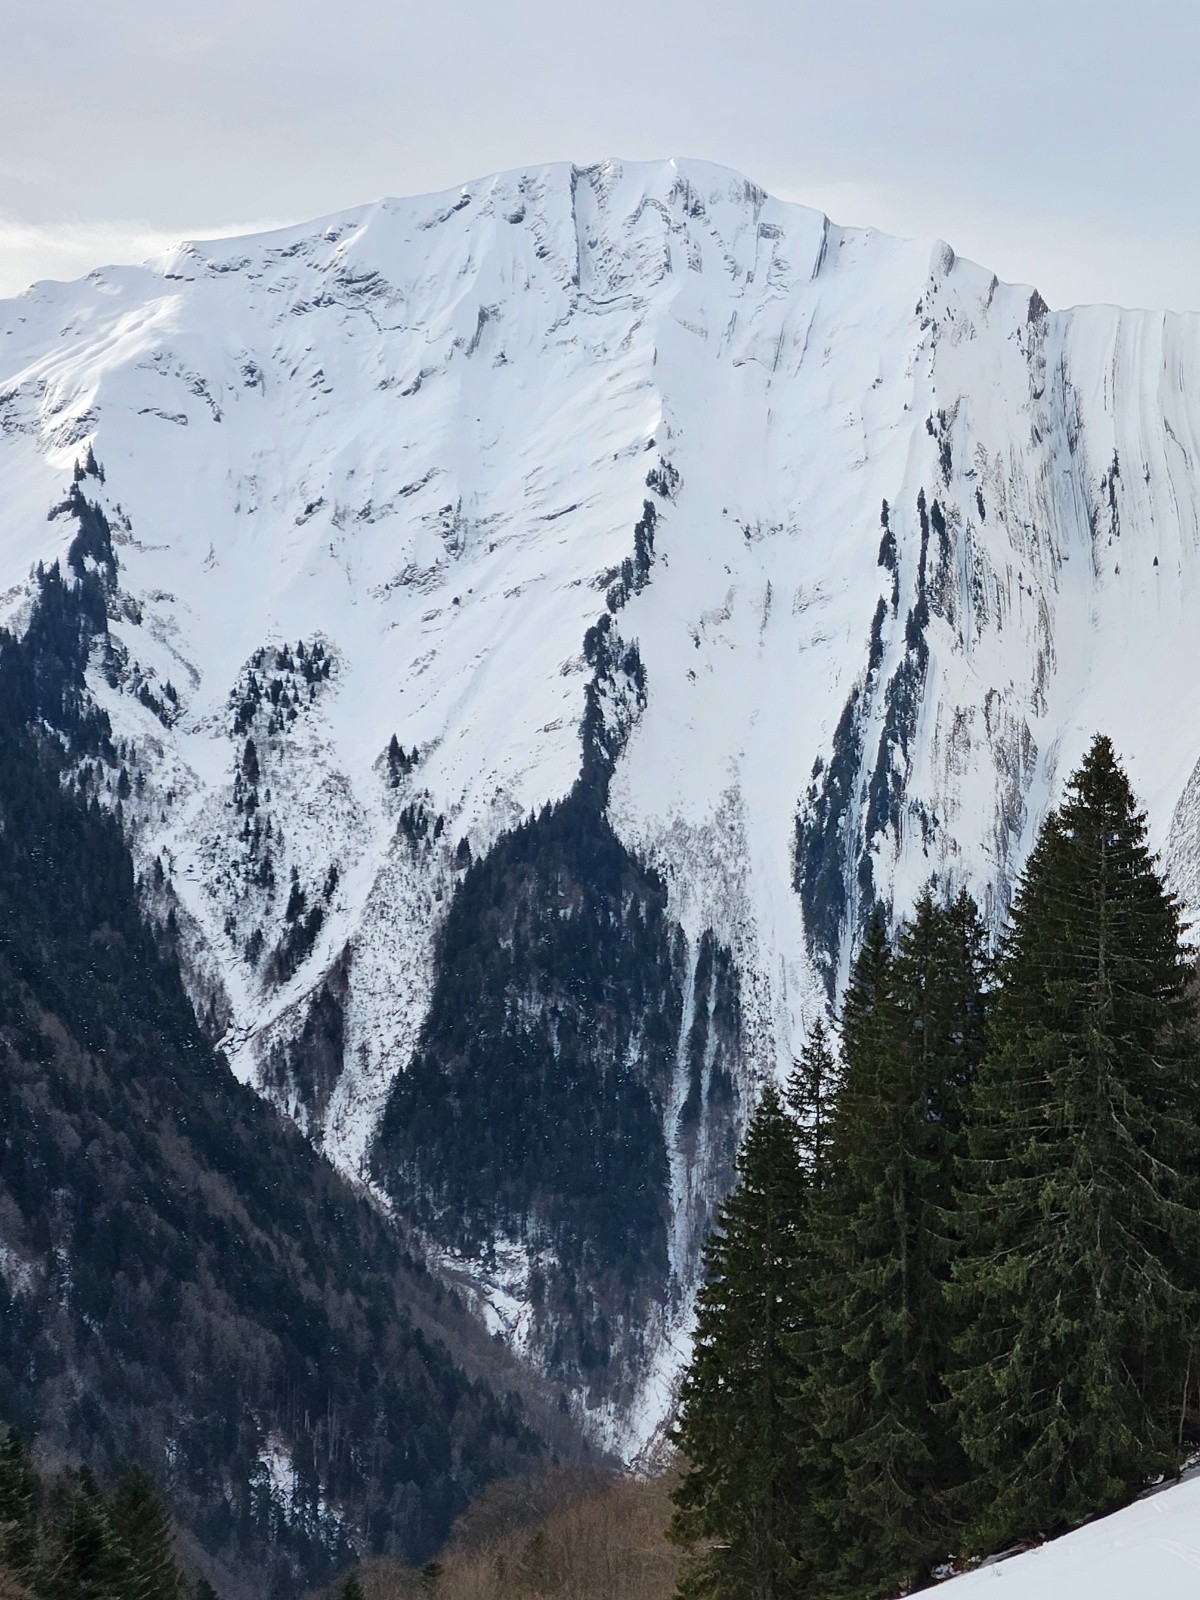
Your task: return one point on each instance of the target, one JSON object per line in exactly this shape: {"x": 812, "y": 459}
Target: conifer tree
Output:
{"x": 809, "y": 1100}
{"x": 963, "y": 986}
{"x": 142, "y": 1524}
{"x": 741, "y": 1488}
{"x": 1079, "y": 1222}
{"x": 19, "y": 1497}
{"x": 912, "y": 1034}
{"x": 86, "y": 1559}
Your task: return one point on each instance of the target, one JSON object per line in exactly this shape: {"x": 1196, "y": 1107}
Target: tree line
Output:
{"x": 952, "y": 1303}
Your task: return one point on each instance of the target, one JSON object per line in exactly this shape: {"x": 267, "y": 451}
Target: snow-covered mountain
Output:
{"x": 789, "y": 565}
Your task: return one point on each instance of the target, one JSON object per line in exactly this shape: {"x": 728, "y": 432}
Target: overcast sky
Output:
{"x": 1056, "y": 142}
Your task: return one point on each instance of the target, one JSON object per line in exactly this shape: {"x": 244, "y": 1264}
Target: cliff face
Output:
{"x": 545, "y": 618}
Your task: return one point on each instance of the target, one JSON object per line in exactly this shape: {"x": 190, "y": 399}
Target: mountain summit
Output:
{"x": 543, "y": 620}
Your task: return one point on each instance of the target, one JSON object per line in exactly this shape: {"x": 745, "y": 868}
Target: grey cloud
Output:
{"x": 1058, "y": 125}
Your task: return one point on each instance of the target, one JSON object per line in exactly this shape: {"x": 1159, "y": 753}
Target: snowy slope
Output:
{"x": 1151, "y": 1549}
{"x": 916, "y": 539}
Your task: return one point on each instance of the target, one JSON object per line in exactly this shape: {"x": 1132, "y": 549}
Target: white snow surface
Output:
{"x": 1147, "y": 1551}
{"x": 420, "y": 433}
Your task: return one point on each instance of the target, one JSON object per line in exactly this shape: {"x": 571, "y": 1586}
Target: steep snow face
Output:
{"x": 914, "y": 538}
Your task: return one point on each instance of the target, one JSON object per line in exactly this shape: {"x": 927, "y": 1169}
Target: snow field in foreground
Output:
{"x": 1148, "y": 1551}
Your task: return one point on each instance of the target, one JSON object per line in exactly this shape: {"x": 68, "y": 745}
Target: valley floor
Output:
{"x": 610, "y": 1544}
{"x": 564, "y": 1533}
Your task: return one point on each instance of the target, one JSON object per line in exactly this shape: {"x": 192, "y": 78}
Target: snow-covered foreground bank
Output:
{"x": 1148, "y": 1551}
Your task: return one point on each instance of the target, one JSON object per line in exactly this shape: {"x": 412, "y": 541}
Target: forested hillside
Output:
{"x": 186, "y": 1284}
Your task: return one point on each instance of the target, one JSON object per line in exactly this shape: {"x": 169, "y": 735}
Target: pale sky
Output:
{"x": 1055, "y": 142}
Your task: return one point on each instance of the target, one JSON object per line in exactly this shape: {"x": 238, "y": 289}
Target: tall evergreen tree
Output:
{"x": 912, "y": 1035}
{"x": 742, "y": 1489}
{"x": 143, "y": 1526}
{"x": 85, "y": 1558}
{"x": 811, "y": 1097}
{"x": 19, "y": 1498}
{"x": 1080, "y": 1231}
{"x": 809, "y": 1100}
{"x": 963, "y": 985}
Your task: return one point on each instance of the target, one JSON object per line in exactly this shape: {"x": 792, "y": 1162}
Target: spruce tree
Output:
{"x": 143, "y": 1526}
{"x": 963, "y": 986}
{"x": 19, "y": 1499}
{"x": 85, "y": 1559}
{"x": 912, "y": 1036}
{"x": 809, "y": 1099}
{"x": 741, "y": 1489}
{"x": 1078, "y": 1214}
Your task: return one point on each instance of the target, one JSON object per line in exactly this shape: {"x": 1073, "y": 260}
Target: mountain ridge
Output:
{"x": 854, "y": 515}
